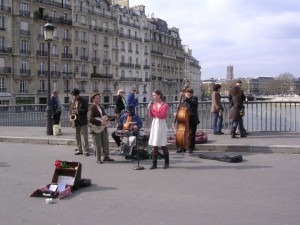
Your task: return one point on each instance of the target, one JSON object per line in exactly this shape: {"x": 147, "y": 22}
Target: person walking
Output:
{"x": 56, "y": 107}
{"x": 159, "y": 129}
{"x": 78, "y": 110}
{"x": 97, "y": 118}
{"x": 236, "y": 110}
{"x": 217, "y": 110}
{"x": 191, "y": 102}
{"x": 244, "y": 99}
{"x": 120, "y": 103}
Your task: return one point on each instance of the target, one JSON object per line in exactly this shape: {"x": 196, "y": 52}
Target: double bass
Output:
{"x": 183, "y": 119}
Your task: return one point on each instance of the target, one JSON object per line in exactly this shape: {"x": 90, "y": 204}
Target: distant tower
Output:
{"x": 230, "y": 72}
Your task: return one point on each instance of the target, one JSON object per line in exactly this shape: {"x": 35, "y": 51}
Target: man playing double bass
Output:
{"x": 191, "y": 103}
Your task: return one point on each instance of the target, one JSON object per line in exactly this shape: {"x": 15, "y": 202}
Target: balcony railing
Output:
{"x": 55, "y": 4}
{"x": 24, "y": 13}
{"x": 5, "y": 8}
{"x": 41, "y": 53}
{"x": 5, "y": 70}
{"x": 25, "y": 51}
{"x": 106, "y": 61}
{"x": 66, "y": 56}
{"x": 95, "y": 60}
{"x": 5, "y": 50}
{"x": 24, "y": 72}
{"x": 101, "y": 75}
{"x": 25, "y": 33}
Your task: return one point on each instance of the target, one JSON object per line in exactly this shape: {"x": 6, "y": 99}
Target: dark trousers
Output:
{"x": 118, "y": 139}
{"x": 193, "y": 130}
{"x": 56, "y": 118}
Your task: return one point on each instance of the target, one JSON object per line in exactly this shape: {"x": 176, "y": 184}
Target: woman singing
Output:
{"x": 159, "y": 129}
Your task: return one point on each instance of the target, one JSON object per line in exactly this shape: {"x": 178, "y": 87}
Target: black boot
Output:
{"x": 154, "y": 163}
{"x": 232, "y": 132}
{"x": 167, "y": 162}
{"x": 242, "y": 133}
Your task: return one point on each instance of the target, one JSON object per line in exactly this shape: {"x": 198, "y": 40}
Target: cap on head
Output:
{"x": 93, "y": 95}
{"x": 239, "y": 81}
{"x": 75, "y": 92}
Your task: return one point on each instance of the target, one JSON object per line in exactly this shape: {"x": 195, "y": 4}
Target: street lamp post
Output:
{"x": 48, "y": 34}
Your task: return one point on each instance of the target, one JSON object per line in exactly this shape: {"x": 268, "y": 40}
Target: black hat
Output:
{"x": 75, "y": 92}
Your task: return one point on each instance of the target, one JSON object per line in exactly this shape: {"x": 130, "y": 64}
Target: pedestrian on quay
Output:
{"x": 78, "y": 111}
{"x": 98, "y": 121}
{"x": 217, "y": 110}
{"x": 57, "y": 108}
{"x": 244, "y": 99}
{"x": 120, "y": 103}
{"x": 236, "y": 111}
{"x": 159, "y": 129}
{"x": 131, "y": 98}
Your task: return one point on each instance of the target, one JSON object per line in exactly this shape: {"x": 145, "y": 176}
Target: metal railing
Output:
{"x": 259, "y": 115}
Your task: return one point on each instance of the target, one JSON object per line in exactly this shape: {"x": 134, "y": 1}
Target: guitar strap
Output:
{"x": 100, "y": 111}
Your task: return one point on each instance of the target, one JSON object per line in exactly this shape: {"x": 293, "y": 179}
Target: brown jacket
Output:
{"x": 216, "y": 104}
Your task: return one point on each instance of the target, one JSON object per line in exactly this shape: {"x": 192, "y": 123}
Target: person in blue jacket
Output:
{"x": 131, "y": 98}
{"x": 128, "y": 121}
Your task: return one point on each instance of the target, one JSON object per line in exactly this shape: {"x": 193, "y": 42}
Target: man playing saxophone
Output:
{"x": 78, "y": 116}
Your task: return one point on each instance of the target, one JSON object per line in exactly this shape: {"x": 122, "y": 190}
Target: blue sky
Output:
{"x": 257, "y": 37}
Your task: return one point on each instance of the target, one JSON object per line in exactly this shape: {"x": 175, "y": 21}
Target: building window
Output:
{"x": 23, "y": 86}
{"x": 42, "y": 68}
{"x": 42, "y": 86}
{"x": 2, "y": 43}
{"x": 82, "y": 86}
{"x": 95, "y": 87}
{"x": 2, "y": 89}
{"x": 2, "y": 23}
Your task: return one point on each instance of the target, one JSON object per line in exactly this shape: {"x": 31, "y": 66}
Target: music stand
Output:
{"x": 137, "y": 167}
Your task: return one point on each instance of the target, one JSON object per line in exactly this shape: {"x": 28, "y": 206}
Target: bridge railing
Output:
{"x": 259, "y": 115}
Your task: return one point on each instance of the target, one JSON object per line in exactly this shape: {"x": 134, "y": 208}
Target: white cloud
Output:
{"x": 257, "y": 37}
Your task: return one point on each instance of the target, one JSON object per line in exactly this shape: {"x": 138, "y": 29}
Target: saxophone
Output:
{"x": 73, "y": 117}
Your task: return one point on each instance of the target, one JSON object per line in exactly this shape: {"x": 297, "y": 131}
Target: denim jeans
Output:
{"x": 217, "y": 122}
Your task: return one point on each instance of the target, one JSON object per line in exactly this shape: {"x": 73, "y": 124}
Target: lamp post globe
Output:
{"x": 48, "y": 35}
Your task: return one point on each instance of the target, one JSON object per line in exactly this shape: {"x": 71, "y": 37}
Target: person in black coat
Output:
{"x": 79, "y": 108}
{"x": 192, "y": 103}
{"x": 120, "y": 103}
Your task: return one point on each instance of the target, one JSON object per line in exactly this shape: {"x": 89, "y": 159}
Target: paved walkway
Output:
{"x": 264, "y": 142}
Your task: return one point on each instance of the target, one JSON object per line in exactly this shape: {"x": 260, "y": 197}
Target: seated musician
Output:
{"x": 127, "y": 122}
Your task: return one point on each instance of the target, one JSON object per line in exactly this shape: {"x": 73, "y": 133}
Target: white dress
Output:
{"x": 159, "y": 132}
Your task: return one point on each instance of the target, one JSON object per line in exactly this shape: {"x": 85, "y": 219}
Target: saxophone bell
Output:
{"x": 73, "y": 117}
